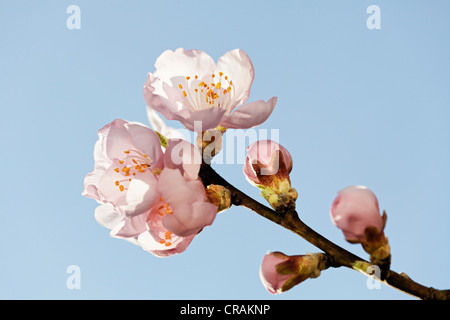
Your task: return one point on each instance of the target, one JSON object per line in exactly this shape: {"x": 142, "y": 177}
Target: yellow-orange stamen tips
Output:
{"x": 168, "y": 244}
{"x": 218, "y": 94}
{"x": 135, "y": 162}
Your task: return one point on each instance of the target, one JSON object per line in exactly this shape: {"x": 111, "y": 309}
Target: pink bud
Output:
{"x": 355, "y": 211}
{"x": 280, "y": 272}
{"x": 266, "y": 158}
{"x": 271, "y": 279}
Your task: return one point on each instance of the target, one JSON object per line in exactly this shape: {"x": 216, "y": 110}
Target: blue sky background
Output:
{"x": 355, "y": 106}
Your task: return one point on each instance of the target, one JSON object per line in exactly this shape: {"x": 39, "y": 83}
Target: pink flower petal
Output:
{"x": 191, "y": 210}
{"x": 238, "y": 67}
{"x": 250, "y": 115}
{"x": 190, "y": 219}
{"x": 184, "y": 156}
{"x": 160, "y": 126}
{"x": 159, "y": 97}
{"x": 173, "y": 66}
{"x": 146, "y": 142}
{"x": 203, "y": 120}
{"x": 149, "y": 244}
{"x": 141, "y": 194}
{"x": 107, "y": 216}
{"x": 130, "y": 227}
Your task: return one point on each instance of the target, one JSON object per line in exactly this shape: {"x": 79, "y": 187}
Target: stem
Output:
{"x": 339, "y": 257}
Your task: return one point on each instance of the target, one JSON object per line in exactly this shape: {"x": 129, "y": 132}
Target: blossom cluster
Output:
{"x": 147, "y": 182}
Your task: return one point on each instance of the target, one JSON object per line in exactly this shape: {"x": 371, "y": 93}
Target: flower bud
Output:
{"x": 268, "y": 165}
{"x": 355, "y": 211}
{"x": 280, "y": 272}
{"x": 220, "y": 196}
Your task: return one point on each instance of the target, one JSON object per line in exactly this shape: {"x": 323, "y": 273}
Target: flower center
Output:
{"x": 203, "y": 95}
{"x": 163, "y": 210}
{"x": 133, "y": 163}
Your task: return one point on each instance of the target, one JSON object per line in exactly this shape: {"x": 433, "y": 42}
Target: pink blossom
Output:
{"x": 127, "y": 156}
{"x": 189, "y": 86}
{"x": 355, "y": 211}
{"x": 266, "y": 158}
{"x": 149, "y": 197}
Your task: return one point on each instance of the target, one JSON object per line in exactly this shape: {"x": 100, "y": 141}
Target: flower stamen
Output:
{"x": 202, "y": 96}
{"x": 133, "y": 163}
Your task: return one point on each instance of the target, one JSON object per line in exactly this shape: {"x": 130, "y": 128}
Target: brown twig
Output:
{"x": 338, "y": 257}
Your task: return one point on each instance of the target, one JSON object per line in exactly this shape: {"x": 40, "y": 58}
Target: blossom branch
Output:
{"x": 337, "y": 256}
